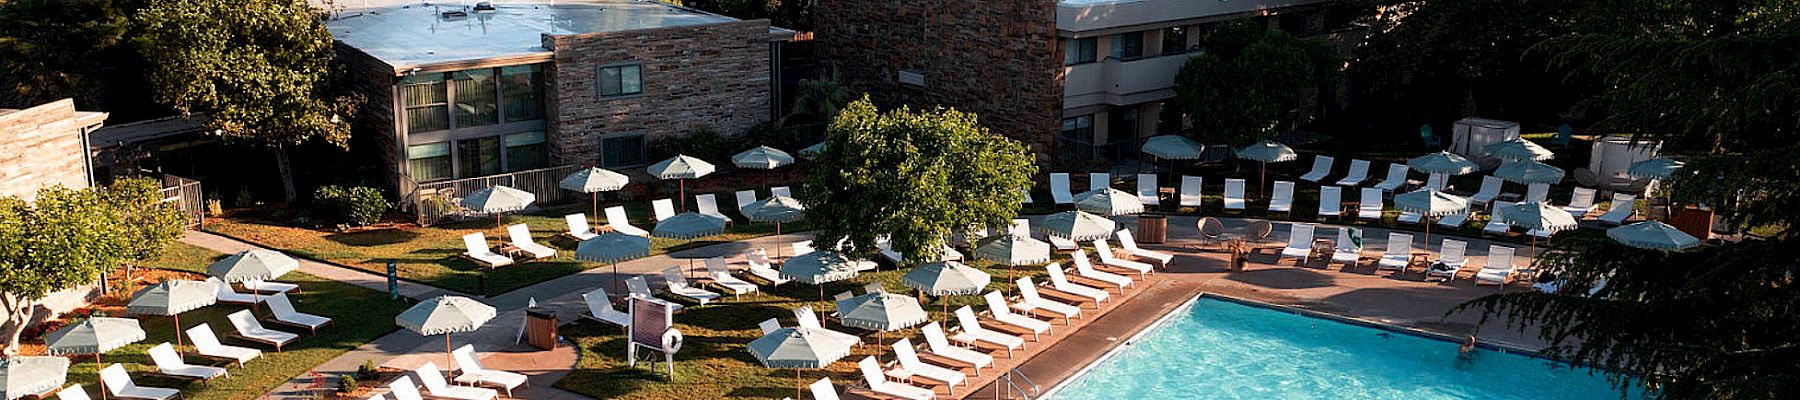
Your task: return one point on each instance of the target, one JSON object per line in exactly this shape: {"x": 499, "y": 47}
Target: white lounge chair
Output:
{"x": 208, "y": 345}
{"x": 73, "y": 392}
{"x": 1452, "y": 257}
{"x": 1300, "y": 242}
{"x": 115, "y": 380}
{"x": 226, "y": 295}
{"x": 1130, "y": 246}
{"x": 433, "y": 380}
{"x": 1490, "y": 190}
{"x": 1099, "y": 180}
{"x": 284, "y": 313}
{"x": 268, "y": 287}
{"x": 578, "y": 227}
{"x": 871, "y": 372}
{"x": 1581, "y": 202}
{"x": 169, "y": 363}
{"x": 1622, "y": 207}
{"x": 1398, "y": 254}
{"x": 805, "y": 318}
{"x": 1331, "y": 201}
{"x": 972, "y": 333}
{"x": 721, "y": 276}
{"x": 1191, "y": 191}
{"x": 1369, "y": 205}
{"x": 1059, "y": 188}
{"x": 823, "y": 390}
{"x": 615, "y": 218}
{"x": 521, "y": 238}
{"x": 678, "y": 286}
{"x": 474, "y": 374}
{"x": 1453, "y": 220}
{"x": 639, "y": 288}
{"x": 744, "y": 198}
{"x": 600, "y": 308}
{"x": 1437, "y": 181}
{"x": 760, "y": 267}
{"x": 1001, "y": 311}
{"x": 662, "y": 209}
{"x": 1396, "y": 176}
{"x": 248, "y": 328}
{"x": 1321, "y": 167}
{"x": 1062, "y": 243}
{"x": 1106, "y": 257}
{"x": 911, "y": 367}
{"x": 1234, "y": 194}
{"x": 475, "y": 248}
{"x": 1348, "y": 251}
{"x": 708, "y": 205}
{"x": 1537, "y": 193}
{"x": 1030, "y": 301}
{"x": 1147, "y": 189}
{"x": 1283, "y": 198}
{"x": 937, "y": 344}
{"x": 404, "y": 389}
{"x": 1060, "y": 282}
{"x": 781, "y": 191}
{"x": 1409, "y": 217}
{"x": 1497, "y": 225}
{"x": 1359, "y": 172}
{"x": 1085, "y": 269}
{"x": 1499, "y": 267}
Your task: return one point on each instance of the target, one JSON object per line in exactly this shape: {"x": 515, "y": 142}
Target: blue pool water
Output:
{"x": 1222, "y": 349}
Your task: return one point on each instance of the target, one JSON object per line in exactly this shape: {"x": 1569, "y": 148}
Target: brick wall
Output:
{"x": 41, "y": 146}
{"x": 996, "y": 58}
{"x": 714, "y": 76}
{"x": 373, "y": 135}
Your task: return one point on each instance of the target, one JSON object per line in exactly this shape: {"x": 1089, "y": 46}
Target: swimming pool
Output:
{"x": 1223, "y": 349}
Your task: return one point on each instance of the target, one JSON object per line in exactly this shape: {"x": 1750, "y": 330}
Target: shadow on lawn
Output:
{"x": 370, "y": 238}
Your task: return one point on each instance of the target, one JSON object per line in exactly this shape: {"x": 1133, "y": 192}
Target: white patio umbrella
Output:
{"x": 1518, "y": 149}
{"x": 683, "y": 168}
{"x": 254, "y": 265}
{"x": 1655, "y": 168}
{"x": 762, "y": 157}
{"x": 945, "y": 278}
{"x": 1077, "y": 225}
{"x": 1109, "y": 202}
{"x": 796, "y": 349}
{"x": 687, "y": 226}
{"x": 22, "y": 376}
{"x": 611, "y": 248}
{"x": 1172, "y": 147}
{"x": 881, "y": 312}
{"x": 171, "y": 298}
{"x": 1529, "y": 172}
{"x": 777, "y": 209}
{"x": 445, "y": 315}
{"x": 1266, "y": 151}
{"x": 814, "y": 150}
{"x": 1442, "y": 162}
{"x": 821, "y": 267}
{"x": 593, "y": 181}
{"x": 1430, "y": 203}
{"x": 1537, "y": 216}
{"x": 498, "y": 199}
{"x": 1652, "y": 235}
{"x": 95, "y": 335}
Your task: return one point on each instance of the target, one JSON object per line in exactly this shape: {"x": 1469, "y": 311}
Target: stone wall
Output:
{"x": 373, "y": 133}
{"x": 997, "y": 58}
{"x": 41, "y": 146}
{"x": 706, "y": 76}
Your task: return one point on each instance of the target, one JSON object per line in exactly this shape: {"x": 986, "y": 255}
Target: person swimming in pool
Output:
{"x": 1465, "y": 355}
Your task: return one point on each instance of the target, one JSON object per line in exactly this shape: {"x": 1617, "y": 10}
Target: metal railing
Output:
{"x": 432, "y": 202}
{"x": 185, "y": 193}
{"x": 1010, "y": 383}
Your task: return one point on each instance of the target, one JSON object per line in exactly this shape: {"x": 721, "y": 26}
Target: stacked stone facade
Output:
{"x": 42, "y": 146}
{"x": 376, "y": 123}
{"x": 713, "y": 76}
{"x": 997, "y": 58}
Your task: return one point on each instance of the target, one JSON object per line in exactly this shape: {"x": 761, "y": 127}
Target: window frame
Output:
{"x": 1116, "y": 48}
{"x": 1180, "y": 31}
{"x": 643, "y": 150}
{"x": 600, "y": 80}
{"x": 1077, "y": 51}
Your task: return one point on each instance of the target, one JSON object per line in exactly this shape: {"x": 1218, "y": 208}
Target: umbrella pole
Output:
{"x": 177, "y": 333}
{"x": 97, "y": 368}
{"x": 778, "y": 240}
{"x": 615, "y": 277}
{"x": 1262, "y": 177}
{"x": 1427, "y": 232}
{"x": 596, "y": 204}
{"x": 683, "y": 194}
{"x": 798, "y": 383}
{"x": 448, "y": 366}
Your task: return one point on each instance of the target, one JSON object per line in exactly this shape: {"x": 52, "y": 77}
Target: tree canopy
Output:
{"x": 1242, "y": 87}
{"x": 63, "y": 238}
{"x": 916, "y": 176}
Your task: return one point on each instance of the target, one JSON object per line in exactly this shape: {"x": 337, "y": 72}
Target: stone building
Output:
{"x": 44, "y": 146}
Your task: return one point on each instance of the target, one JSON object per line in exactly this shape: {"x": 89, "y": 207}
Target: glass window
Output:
{"x": 522, "y": 91}
{"x": 1079, "y": 128}
{"x": 1128, "y": 46}
{"x": 429, "y": 162}
{"x": 478, "y": 157}
{"x": 526, "y": 151}
{"x": 476, "y": 102}
{"x": 622, "y": 150}
{"x": 1078, "y": 51}
{"x": 621, "y": 80}
{"x": 427, "y": 108}
{"x": 1174, "y": 40}
{"x": 1122, "y": 124}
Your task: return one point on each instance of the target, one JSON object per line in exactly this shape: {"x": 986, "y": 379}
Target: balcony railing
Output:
{"x": 434, "y": 202}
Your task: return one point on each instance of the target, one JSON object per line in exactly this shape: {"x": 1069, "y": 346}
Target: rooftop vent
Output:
{"x": 484, "y": 7}
{"x": 453, "y": 15}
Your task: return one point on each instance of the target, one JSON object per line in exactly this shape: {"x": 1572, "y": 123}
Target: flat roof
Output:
{"x": 413, "y": 34}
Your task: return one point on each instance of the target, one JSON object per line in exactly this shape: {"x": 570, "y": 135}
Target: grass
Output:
{"x": 358, "y": 314}
{"x": 430, "y": 254}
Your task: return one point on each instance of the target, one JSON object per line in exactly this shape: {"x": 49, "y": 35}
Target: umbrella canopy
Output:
{"x": 1652, "y": 235}
{"x": 1655, "y": 168}
{"x": 173, "y": 297}
{"x": 1109, "y": 202}
{"x": 762, "y": 157}
{"x": 445, "y": 314}
{"x": 1518, "y": 149}
{"x": 1431, "y": 203}
{"x": 29, "y": 375}
{"x": 612, "y": 247}
{"x": 946, "y": 278}
{"x": 94, "y": 335}
{"x": 498, "y": 199}
{"x": 1539, "y": 216}
{"x": 813, "y": 150}
{"x": 1011, "y": 250}
{"x": 1442, "y": 162}
{"x": 1529, "y": 172}
{"x": 820, "y": 267}
{"x": 1172, "y": 147}
{"x": 779, "y": 209}
{"x": 593, "y": 180}
{"x": 253, "y": 264}
{"x": 1077, "y": 225}
{"x": 881, "y": 311}
{"x": 687, "y": 225}
{"x": 680, "y": 167}
{"x": 796, "y": 348}
{"x": 1267, "y": 151}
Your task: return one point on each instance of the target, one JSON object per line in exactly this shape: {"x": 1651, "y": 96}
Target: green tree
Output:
{"x": 259, "y": 68}
{"x": 1450, "y": 59}
{"x": 149, "y": 223}
{"x": 916, "y": 176}
{"x": 1242, "y": 87}
{"x": 53, "y": 49}
{"x": 62, "y": 239}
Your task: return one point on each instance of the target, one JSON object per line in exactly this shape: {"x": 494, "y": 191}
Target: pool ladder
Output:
{"x": 1010, "y": 383}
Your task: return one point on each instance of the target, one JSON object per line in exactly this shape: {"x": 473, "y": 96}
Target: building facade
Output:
{"x": 45, "y": 146}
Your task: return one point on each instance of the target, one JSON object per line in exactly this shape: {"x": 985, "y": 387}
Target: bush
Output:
{"x": 346, "y": 384}
{"x": 367, "y": 371}
{"x": 358, "y": 206}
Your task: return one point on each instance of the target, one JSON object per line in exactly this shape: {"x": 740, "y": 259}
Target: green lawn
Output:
{"x": 430, "y": 254}
{"x": 359, "y": 315}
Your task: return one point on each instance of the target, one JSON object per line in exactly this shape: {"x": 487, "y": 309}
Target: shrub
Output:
{"x": 346, "y": 384}
{"x": 358, "y": 206}
{"x": 367, "y": 371}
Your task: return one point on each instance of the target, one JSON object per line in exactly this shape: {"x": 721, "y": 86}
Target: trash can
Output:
{"x": 1152, "y": 228}
{"x": 540, "y": 328}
